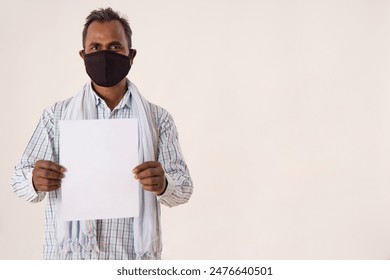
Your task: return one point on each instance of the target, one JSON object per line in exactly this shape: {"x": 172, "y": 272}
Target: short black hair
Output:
{"x": 104, "y": 15}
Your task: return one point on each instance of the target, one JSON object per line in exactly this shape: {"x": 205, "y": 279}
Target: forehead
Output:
{"x": 105, "y": 32}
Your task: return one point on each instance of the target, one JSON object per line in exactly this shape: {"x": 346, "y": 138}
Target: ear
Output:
{"x": 82, "y": 53}
{"x": 133, "y": 53}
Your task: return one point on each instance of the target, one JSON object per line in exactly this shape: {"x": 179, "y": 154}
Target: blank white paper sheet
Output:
{"x": 99, "y": 156}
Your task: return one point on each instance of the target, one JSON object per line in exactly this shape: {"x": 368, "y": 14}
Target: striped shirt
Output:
{"x": 115, "y": 236}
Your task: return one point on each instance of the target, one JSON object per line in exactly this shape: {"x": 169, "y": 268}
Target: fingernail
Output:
{"x": 135, "y": 176}
{"x": 63, "y": 169}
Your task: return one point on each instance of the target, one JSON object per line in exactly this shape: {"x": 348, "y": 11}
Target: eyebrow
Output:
{"x": 115, "y": 43}
{"x": 110, "y": 43}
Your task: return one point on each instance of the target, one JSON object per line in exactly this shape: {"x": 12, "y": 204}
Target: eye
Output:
{"x": 115, "y": 47}
{"x": 94, "y": 47}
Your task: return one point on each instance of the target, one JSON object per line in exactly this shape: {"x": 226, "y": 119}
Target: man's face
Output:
{"x": 109, "y": 36}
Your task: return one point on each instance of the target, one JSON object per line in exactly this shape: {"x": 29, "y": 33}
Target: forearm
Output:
{"x": 39, "y": 147}
{"x": 179, "y": 188}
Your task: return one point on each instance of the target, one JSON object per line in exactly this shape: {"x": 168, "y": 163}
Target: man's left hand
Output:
{"x": 151, "y": 176}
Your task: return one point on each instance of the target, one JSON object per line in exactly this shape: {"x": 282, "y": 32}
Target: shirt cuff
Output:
{"x": 169, "y": 189}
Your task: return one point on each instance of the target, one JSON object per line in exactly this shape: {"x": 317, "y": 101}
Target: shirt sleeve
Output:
{"x": 39, "y": 147}
{"x": 179, "y": 188}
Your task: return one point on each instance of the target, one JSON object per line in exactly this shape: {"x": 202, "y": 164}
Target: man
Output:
{"x": 163, "y": 175}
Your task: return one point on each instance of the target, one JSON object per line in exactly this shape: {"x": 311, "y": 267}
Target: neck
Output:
{"x": 111, "y": 95}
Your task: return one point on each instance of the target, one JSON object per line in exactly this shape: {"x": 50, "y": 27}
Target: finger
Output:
{"x": 150, "y": 181}
{"x": 151, "y": 172}
{"x": 146, "y": 165}
{"x": 47, "y": 173}
{"x": 46, "y": 164}
{"x": 151, "y": 188}
{"x": 47, "y": 182}
{"x": 43, "y": 184}
{"x": 53, "y": 188}
{"x": 48, "y": 188}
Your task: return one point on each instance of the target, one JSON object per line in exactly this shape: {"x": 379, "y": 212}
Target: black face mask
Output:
{"x": 107, "y": 68}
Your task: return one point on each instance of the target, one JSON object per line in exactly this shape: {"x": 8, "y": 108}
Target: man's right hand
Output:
{"x": 47, "y": 175}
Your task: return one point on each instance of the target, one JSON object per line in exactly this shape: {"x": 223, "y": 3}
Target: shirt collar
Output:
{"x": 125, "y": 101}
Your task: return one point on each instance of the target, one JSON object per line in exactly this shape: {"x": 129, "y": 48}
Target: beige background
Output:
{"x": 282, "y": 110}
